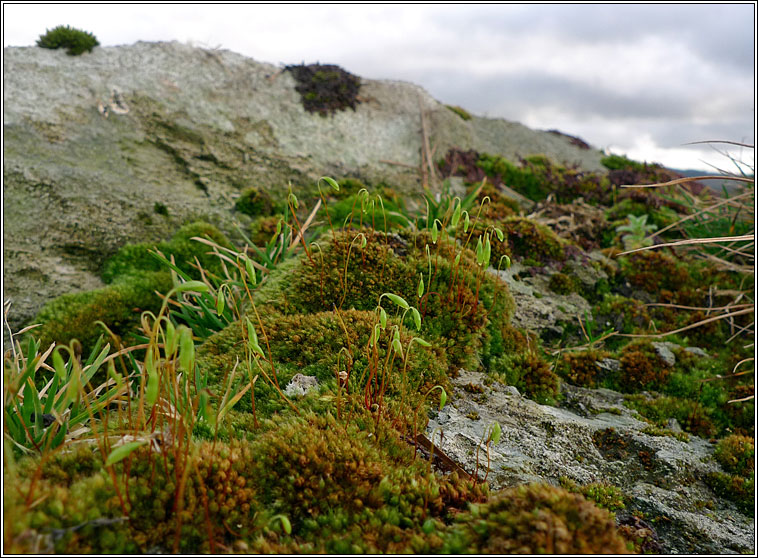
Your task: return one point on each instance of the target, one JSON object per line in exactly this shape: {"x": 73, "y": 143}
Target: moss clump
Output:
{"x": 625, "y": 315}
{"x": 254, "y": 202}
{"x": 736, "y": 454}
{"x": 74, "y": 316}
{"x": 135, "y": 278}
{"x": 531, "y": 375}
{"x": 581, "y": 369}
{"x": 351, "y": 489}
{"x": 605, "y": 496}
{"x": 535, "y": 519}
{"x": 263, "y": 229}
{"x": 325, "y": 89}
{"x": 692, "y": 416}
{"x": 309, "y": 344}
{"x": 653, "y": 271}
{"x": 739, "y": 490}
{"x": 642, "y": 368}
{"x": 463, "y": 113}
{"x": 73, "y": 40}
{"x": 136, "y": 258}
{"x": 453, "y": 316}
{"x": 527, "y": 239}
{"x": 562, "y": 284}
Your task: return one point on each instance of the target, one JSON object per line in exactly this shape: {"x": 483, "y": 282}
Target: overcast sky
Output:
{"x": 641, "y": 80}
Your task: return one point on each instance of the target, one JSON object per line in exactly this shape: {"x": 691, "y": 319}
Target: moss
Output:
{"x": 562, "y": 284}
{"x": 160, "y": 209}
{"x": 581, "y": 368}
{"x": 621, "y": 162}
{"x": 530, "y": 374}
{"x": 605, "y": 496}
{"x": 136, "y": 258}
{"x": 692, "y": 416}
{"x": 736, "y": 454}
{"x": 345, "y": 488}
{"x": 654, "y": 271}
{"x": 625, "y": 315}
{"x": 74, "y": 316}
{"x": 463, "y": 113}
{"x": 254, "y": 202}
{"x": 739, "y": 490}
{"x": 652, "y": 430}
{"x": 534, "y": 519}
{"x": 309, "y": 344}
{"x": 642, "y": 368}
{"x": 325, "y": 89}
{"x": 263, "y": 229}
{"x": 528, "y": 239}
{"x": 454, "y": 318}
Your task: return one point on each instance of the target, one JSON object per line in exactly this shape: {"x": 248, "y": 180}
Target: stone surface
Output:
{"x": 92, "y": 142}
{"x": 661, "y": 475}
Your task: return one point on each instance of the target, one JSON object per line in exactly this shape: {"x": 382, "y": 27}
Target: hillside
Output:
{"x": 289, "y": 310}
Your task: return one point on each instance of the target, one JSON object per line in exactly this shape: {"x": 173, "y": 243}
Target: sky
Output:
{"x": 634, "y": 79}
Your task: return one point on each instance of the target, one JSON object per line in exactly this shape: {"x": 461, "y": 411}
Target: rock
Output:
{"x": 664, "y": 351}
{"x": 593, "y": 437}
{"x": 300, "y": 385}
{"x": 93, "y": 142}
{"x": 697, "y": 351}
{"x": 673, "y": 425}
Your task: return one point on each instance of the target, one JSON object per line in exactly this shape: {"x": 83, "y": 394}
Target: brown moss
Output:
{"x": 581, "y": 368}
{"x": 642, "y": 368}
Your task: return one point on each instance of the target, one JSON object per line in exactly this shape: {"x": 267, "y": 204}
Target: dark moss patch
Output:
{"x": 325, "y": 88}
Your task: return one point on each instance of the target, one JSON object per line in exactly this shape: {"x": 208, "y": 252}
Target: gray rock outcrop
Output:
{"x": 593, "y": 438}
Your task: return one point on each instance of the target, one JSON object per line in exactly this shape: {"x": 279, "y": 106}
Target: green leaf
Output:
{"x": 121, "y": 452}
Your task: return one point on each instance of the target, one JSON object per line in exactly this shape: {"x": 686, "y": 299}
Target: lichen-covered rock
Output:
{"x": 594, "y": 437}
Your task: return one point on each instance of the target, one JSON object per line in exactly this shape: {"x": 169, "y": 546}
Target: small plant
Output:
{"x": 325, "y": 89}
{"x": 463, "y": 113}
{"x": 637, "y": 229}
{"x": 74, "y": 40}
